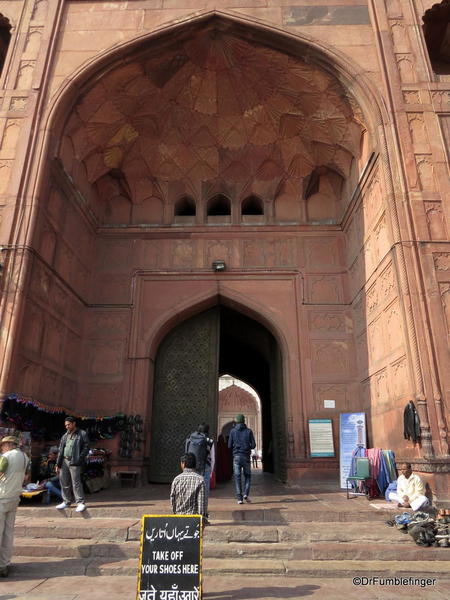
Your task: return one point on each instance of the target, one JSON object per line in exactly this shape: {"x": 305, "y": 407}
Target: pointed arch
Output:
{"x": 5, "y": 39}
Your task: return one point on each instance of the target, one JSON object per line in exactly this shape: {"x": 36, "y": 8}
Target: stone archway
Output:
{"x": 186, "y": 385}
{"x": 325, "y": 225}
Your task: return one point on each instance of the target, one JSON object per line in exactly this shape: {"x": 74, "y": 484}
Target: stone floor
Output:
{"x": 312, "y": 501}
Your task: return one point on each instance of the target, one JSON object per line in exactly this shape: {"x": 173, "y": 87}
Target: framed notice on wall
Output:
{"x": 170, "y": 558}
{"x": 321, "y": 438}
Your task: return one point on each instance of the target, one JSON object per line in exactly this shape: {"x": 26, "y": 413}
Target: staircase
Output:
{"x": 315, "y": 533}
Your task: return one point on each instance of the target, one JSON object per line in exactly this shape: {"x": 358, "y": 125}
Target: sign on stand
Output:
{"x": 170, "y": 558}
{"x": 352, "y": 436}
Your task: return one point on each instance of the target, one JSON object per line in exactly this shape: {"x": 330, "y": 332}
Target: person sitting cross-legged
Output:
{"x": 410, "y": 490}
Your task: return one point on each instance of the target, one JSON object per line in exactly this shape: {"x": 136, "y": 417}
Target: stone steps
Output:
{"x": 29, "y": 567}
{"x": 286, "y": 542}
{"x": 123, "y": 529}
{"x": 320, "y": 551}
{"x": 249, "y": 514}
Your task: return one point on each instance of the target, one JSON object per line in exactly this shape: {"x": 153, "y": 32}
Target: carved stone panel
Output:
{"x": 435, "y": 221}
{"x": 253, "y": 254}
{"x": 112, "y": 324}
{"x": 336, "y": 392}
{"x": 444, "y": 289}
{"x": 33, "y": 42}
{"x": 322, "y": 252}
{"x": 377, "y": 346}
{"x": 25, "y": 75}
{"x": 183, "y": 253}
{"x": 18, "y": 104}
{"x": 406, "y": 68}
{"x": 425, "y": 169}
{"x": 444, "y": 121}
{"x": 441, "y": 99}
{"x": 381, "y": 395}
{"x": 327, "y": 322}
{"x": 394, "y": 327}
{"x": 10, "y": 138}
{"x": 325, "y": 289}
{"x": 418, "y": 131}
{"x": 330, "y": 358}
{"x": 387, "y": 284}
{"x": 399, "y": 36}
{"x": 441, "y": 261}
{"x": 5, "y": 174}
{"x": 106, "y": 359}
{"x": 218, "y": 250}
{"x": 400, "y": 378}
{"x": 40, "y": 11}
{"x": 411, "y": 97}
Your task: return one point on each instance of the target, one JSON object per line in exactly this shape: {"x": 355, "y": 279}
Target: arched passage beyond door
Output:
{"x": 188, "y": 364}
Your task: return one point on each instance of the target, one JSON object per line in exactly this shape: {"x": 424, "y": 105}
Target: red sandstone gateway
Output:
{"x": 302, "y": 148}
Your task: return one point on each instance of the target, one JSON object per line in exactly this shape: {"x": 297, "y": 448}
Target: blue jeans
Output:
{"x": 51, "y": 489}
{"x": 206, "y": 479}
{"x": 241, "y": 464}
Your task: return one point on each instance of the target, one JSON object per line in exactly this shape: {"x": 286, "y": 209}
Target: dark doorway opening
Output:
{"x": 189, "y": 362}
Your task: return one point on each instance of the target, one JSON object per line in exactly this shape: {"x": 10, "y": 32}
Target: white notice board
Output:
{"x": 321, "y": 438}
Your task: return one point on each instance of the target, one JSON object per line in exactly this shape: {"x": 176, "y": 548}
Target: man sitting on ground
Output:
{"x": 48, "y": 477}
{"x": 410, "y": 490}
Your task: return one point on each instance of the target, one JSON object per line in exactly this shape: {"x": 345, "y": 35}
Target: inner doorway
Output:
{"x": 189, "y": 362}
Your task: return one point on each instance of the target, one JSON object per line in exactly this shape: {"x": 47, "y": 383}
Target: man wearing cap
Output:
{"x": 73, "y": 450}
{"x": 13, "y": 465}
{"x": 242, "y": 442}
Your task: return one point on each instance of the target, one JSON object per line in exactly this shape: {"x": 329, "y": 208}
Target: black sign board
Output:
{"x": 170, "y": 558}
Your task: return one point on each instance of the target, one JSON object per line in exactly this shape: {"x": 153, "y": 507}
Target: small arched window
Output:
{"x": 436, "y": 29}
{"x": 5, "y": 38}
{"x": 252, "y": 206}
{"x": 218, "y": 206}
{"x": 185, "y": 207}
{"x": 322, "y": 195}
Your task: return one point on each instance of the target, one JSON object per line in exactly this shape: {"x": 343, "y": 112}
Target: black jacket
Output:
{"x": 80, "y": 449}
{"x": 411, "y": 423}
{"x": 241, "y": 440}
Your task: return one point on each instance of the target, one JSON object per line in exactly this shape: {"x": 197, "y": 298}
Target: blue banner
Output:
{"x": 352, "y": 433}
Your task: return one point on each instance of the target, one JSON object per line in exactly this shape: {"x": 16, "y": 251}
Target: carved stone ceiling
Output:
{"x": 213, "y": 108}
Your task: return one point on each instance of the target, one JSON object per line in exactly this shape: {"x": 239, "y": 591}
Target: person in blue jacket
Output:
{"x": 242, "y": 442}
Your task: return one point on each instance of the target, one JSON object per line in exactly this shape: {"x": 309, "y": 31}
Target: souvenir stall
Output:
{"x": 44, "y": 425}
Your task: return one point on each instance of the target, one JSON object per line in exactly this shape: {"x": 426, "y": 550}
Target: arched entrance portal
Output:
{"x": 189, "y": 362}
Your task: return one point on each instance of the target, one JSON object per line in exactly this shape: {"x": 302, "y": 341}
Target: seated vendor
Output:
{"x": 410, "y": 490}
{"x": 48, "y": 477}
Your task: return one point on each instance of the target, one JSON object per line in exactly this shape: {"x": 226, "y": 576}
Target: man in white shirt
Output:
{"x": 13, "y": 466}
{"x": 410, "y": 490}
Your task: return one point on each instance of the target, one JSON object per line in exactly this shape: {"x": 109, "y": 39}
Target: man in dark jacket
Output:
{"x": 73, "y": 449}
{"x": 242, "y": 442}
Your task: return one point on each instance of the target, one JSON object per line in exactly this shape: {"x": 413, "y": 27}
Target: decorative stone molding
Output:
{"x": 18, "y": 103}
{"x": 411, "y": 97}
{"x": 441, "y": 261}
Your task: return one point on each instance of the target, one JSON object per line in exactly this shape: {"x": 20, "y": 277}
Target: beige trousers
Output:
{"x": 8, "y": 509}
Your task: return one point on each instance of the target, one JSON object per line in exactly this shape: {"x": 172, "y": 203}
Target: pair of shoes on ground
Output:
{"x": 246, "y": 498}
{"x": 80, "y": 506}
{"x": 4, "y": 571}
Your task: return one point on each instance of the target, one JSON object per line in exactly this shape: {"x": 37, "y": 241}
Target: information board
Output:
{"x": 170, "y": 557}
{"x": 351, "y": 435}
{"x": 321, "y": 438}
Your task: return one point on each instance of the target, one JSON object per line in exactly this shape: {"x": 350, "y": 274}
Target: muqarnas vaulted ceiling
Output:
{"x": 213, "y": 113}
